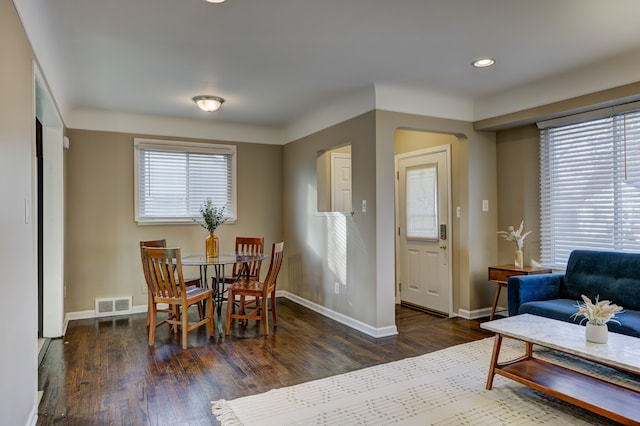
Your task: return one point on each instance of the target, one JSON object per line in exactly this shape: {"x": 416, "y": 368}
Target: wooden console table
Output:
{"x": 500, "y": 275}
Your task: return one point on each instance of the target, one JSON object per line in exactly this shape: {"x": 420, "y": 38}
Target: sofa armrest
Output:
{"x": 527, "y": 288}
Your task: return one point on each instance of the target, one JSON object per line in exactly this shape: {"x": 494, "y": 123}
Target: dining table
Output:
{"x": 218, "y": 264}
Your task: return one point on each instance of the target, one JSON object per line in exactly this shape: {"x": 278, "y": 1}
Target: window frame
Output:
{"x": 181, "y": 146}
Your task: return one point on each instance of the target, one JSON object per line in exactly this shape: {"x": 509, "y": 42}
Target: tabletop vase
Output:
{"x": 517, "y": 261}
{"x": 597, "y": 333}
{"x": 211, "y": 245}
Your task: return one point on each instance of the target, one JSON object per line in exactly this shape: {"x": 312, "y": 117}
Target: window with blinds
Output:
{"x": 590, "y": 187}
{"x": 173, "y": 180}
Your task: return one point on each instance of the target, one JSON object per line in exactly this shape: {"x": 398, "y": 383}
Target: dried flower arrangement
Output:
{"x": 598, "y": 313}
{"x": 515, "y": 235}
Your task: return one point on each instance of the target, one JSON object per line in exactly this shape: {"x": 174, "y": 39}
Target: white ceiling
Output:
{"x": 274, "y": 61}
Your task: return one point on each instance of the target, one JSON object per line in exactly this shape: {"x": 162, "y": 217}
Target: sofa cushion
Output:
{"x": 629, "y": 323}
{"x": 610, "y": 276}
{"x": 559, "y": 309}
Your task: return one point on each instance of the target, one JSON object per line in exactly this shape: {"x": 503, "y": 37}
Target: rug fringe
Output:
{"x": 224, "y": 413}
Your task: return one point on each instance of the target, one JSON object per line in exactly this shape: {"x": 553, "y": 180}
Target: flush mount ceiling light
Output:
{"x": 216, "y": 1}
{"x": 208, "y": 103}
{"x": 483, "y": 62}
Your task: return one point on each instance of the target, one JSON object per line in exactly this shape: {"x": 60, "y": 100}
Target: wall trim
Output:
{"x": 341, "y": 318}
{"x": 71, "y": 316}
{"x": 329, "y": 313}
{"x": 477, "y": 313}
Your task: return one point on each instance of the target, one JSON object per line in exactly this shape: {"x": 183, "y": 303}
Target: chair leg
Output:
{"x": 185, "y": 326}
{"x": 149, "y": 303}
{"x": 273, "y": 307}
{"x": 201, "y": 310}
{"x": 151, "y": 317}
{"x": 230, "y": 297}
{"x": 265, "y": 313}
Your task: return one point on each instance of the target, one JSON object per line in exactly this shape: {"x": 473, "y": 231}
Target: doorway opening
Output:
{"x": 423, "y": 200}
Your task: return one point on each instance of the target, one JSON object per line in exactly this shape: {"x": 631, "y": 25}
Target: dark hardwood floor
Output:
{"x": 104, "y": 373}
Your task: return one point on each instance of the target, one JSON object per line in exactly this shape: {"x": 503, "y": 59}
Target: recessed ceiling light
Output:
{"x": 483, "y": 62}
{"x": 216, "y": 1}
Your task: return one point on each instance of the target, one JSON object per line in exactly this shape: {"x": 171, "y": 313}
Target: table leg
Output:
{"x": 494, "y": 360}
{"x": 219, "y": 296}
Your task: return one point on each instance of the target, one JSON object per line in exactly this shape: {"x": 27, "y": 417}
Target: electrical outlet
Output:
{"x": 337, "y": 284}
{"x": 485, "y": 205}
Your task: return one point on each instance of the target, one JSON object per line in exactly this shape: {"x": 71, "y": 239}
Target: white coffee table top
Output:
{"x": 620, "y": 351}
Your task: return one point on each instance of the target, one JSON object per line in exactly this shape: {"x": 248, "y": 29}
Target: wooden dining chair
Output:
{"x": 166, "y": 285}
{"x": 248, "y": 245}
{"x": 188, "y": 282}
{"x": 261, "y": 291}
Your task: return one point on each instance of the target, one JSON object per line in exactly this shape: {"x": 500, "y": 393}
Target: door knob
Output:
{"x": 443, "y": 245}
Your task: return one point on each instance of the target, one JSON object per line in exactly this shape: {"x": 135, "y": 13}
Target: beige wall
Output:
{"x": 102, "y": 257}
{"x": 374, "y": 138}
{"x": 518, "y": 168}
{"x": 323, "y": 248}
{"x": 18, "y": 357}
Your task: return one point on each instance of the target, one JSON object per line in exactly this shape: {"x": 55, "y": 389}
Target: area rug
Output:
{"x": 446, "y": 387}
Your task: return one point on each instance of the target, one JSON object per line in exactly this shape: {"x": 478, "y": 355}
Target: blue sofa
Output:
{"x": 608, "y": 275}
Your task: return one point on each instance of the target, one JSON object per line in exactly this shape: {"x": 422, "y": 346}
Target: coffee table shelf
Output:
{"x": 609, "y": 399}
{"x": 605, "y": 398}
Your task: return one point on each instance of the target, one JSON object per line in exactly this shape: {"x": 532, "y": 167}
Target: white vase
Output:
{"x": 517, "y": 260}
{"x": 597, "y": 333}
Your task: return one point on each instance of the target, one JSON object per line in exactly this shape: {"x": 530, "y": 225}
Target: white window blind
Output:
{"x": 590, "y": 187}
{"x": 173, "y": 179}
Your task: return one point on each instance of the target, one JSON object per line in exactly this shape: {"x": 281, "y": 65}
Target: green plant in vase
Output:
{"x": 212, "y": 217}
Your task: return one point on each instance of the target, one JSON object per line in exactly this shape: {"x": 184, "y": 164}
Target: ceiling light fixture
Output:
{"x": 208, "y": 103}
{"x": 216, "y": 1}
{"x": 483, "y": 62}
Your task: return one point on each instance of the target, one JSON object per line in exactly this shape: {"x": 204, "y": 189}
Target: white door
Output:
{"x": 340, "y": 182}
{"x": 423, "y": 255}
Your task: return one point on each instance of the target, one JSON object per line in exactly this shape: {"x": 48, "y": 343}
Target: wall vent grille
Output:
{"x": 113, "y": 306}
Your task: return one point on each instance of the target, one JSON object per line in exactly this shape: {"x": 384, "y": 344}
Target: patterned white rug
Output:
{"x": 446, "y": 387}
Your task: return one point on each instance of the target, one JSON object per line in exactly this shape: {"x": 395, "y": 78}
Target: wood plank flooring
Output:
{"x": 104, "y": 373}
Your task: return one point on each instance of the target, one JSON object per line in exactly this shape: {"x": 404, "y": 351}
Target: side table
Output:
{"x": 500, "y": 275}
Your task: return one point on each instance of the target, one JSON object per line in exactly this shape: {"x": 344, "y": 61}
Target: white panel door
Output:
{"x": 423, "y": 255}
{"x": 340, "y": 182}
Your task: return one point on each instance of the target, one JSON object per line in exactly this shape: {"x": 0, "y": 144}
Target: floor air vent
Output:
{"x": 113, "y": 306}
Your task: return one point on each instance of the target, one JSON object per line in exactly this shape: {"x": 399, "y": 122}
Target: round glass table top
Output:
{"x": 223, "y": 258}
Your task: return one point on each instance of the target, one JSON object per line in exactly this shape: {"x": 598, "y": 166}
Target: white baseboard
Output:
{"x": 478, "y": 313}
{"x": 70, "y": 316}
{"x": 33, "y": 415}
{"x": 329, "y": 313}
{"x": 343, "y": 319}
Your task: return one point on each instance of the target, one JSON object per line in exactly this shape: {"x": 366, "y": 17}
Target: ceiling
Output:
{"x": 276, "y": 60}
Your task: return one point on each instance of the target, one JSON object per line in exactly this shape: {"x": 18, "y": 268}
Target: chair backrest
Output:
{"x": 249, "y": 245}
{"x": 150, "y": 243}
{"x": 164, "y": 269}
{"x": 277, "y": 254}
{"x": 154, "y": 243}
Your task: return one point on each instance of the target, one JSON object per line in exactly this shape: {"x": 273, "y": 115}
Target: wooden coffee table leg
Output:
{"x": 494, "y": 360}
{"x": 529, "y": 348}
